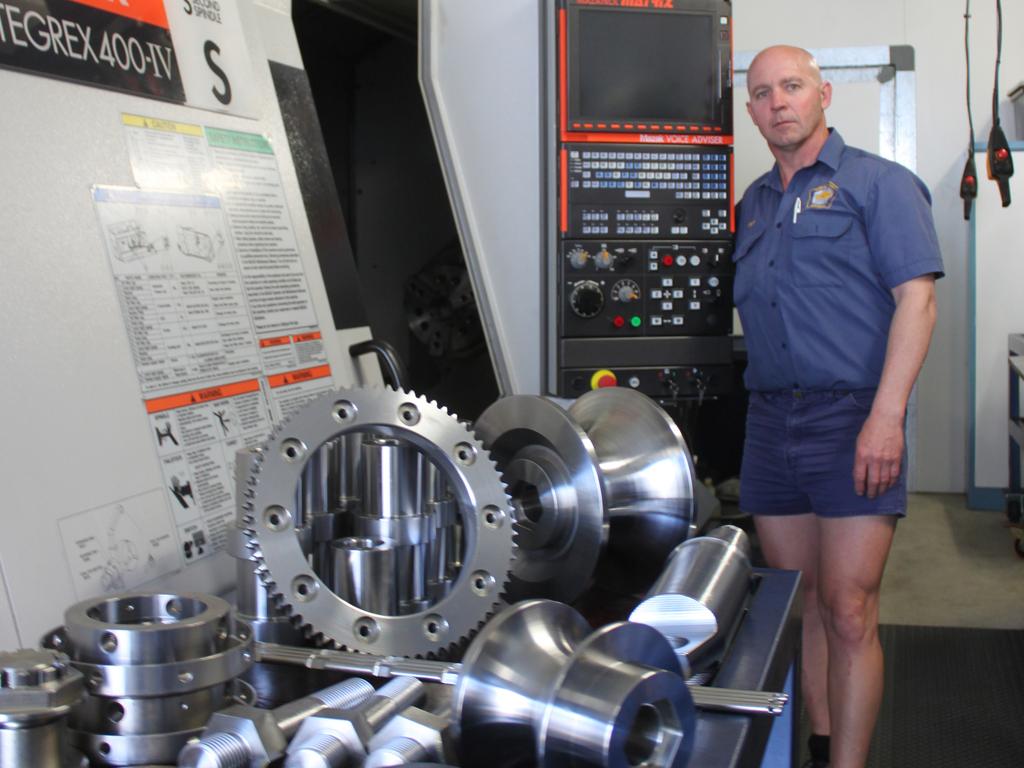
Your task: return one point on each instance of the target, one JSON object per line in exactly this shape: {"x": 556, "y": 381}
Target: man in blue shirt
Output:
{"x": 836, "y": 259}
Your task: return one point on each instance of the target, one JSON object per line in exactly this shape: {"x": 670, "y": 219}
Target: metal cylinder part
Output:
{"x": 156, "y": 666}
{"x": 537, "y": 684}
{"x": 37, "y": 690}
{"x": 700, "y": 594}
{"x": 647, "y": 478}
{"x": 364, "y": 574}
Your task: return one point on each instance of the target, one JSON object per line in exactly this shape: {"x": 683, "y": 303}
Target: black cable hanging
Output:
{"x": 969, "y": 178}
{"x": 1000, "y": 159}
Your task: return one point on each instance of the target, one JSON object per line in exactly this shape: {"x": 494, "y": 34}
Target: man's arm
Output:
{"x": 876, "y": 466}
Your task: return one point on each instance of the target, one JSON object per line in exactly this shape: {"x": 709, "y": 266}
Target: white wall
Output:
{"x": 935, "y": 30}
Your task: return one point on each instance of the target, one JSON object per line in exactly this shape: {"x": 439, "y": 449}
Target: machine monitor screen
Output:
{"x": 644, "y": 66}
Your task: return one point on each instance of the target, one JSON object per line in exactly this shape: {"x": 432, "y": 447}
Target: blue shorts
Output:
{"x": 798, "y": 456}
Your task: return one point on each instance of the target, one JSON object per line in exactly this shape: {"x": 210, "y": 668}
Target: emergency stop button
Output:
{"x": 603, "y": 378}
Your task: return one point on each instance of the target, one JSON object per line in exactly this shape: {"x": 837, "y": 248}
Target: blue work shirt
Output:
{"x": 816, "y": 265}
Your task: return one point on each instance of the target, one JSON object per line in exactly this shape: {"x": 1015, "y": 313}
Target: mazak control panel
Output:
{"x": 641, "y": 270}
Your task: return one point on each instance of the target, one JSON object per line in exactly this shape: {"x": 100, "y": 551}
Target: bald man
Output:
{"x": 836, "y": 259}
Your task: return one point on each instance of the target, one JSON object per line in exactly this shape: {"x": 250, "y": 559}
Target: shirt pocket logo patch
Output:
{"x": 822, "y": 197}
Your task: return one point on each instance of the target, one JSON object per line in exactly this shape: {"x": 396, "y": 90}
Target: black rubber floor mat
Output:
{"x": 954, "y": 698}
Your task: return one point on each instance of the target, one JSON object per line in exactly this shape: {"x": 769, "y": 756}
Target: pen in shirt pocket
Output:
{"x": 796, "y": 210}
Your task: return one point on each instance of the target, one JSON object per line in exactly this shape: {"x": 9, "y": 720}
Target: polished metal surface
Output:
{"x": 156, "y": 665}
{"x": 552, "y": 473}
{"x": 647, "y": 477}
{"x": 700, "y": 594}
{"x": 537, "y": 684}
{"x": 470, "y": 476}
{"x": 340, "y": 736}
{"x": 244, "y": 735}
{"x": 37, "y": 690}
{"x": 364, "y": 574}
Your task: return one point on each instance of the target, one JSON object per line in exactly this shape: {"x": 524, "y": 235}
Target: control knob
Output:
{"x": 586, "y": 298}
{"x": 626, "y": 291}
{"x": 603, "y": 259}
{"x": 578, "y": 257}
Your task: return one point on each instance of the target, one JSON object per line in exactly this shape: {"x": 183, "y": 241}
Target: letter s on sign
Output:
{"x": 224, "y": 97}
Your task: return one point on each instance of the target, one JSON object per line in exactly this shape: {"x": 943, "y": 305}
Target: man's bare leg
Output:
{"x": 853, "y": 553}
{"x": 791, "y": 542}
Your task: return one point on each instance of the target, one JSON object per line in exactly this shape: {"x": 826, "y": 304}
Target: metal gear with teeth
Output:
{"x": 474, "y": 482}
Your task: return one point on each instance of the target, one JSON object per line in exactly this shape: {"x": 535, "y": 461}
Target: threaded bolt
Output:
{"x": 345, "y": 695}
{"x": 319, "y": 751}
{"x": 398, "y": 751}
{"x": 218, "y": 750}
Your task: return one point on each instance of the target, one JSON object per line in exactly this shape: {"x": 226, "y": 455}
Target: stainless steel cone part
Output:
{"x": 537, "y": 686}
{"x": 700, "y": 594}
{"x": 646, "y": 472}
{"x": 552, "y": 474}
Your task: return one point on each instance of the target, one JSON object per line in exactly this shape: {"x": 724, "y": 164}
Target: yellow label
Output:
{"x": 154, "y": 124}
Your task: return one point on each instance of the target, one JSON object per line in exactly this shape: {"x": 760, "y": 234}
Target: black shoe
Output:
{"x": 812, "y": 763}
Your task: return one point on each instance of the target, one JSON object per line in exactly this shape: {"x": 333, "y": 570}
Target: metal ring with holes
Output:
{"x": 156, "y": 666}
{"x": 170, "y": 678}
{"x": 475, "y": 485}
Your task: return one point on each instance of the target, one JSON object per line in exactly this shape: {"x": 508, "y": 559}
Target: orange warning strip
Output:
{"x": 146, "y": 11}
{"x": 202, "y": 396}
{"x": 649, "y": 138}
{"x": 275, "y": 342}
{"x": 563, "y": 96}
{"x": 296, "y": 377}
{"x": 314, "y": 336}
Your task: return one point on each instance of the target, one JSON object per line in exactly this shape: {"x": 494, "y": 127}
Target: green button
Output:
{"x": 635, "y": 321}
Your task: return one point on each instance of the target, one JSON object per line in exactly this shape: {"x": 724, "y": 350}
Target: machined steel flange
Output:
{"x": 553, "y": 476}
{"x": 156, "y": 666}
{"x": 537, "y": 686}
{"x": 474, "y": 484}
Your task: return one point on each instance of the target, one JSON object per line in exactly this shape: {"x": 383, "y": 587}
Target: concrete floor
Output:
{"x": 953, "y": 567}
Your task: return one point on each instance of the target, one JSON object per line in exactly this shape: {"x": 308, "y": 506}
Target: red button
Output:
{"x": 968, "y": 179}
{"x": 619, "y": 321}
{"x": 1002, "y": 154}
{"x": 667, "y": 260}
{"x": 607, "y": 381}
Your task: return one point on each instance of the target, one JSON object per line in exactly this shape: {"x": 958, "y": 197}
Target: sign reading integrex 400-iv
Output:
{"x": 126, "y": 47}
{"x": 191, "y": 52}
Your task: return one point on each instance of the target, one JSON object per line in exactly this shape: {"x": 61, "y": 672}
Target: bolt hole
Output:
{"x": 108, "y": 642}
{"x": 104, "y": 748}
{"x": 493, "y": 517}
{"x": 343, "y": 411}
{"x": 276, "y": 518}
{"x": 292, "y": 450}
{"x": 174, "y": 607}
{"x": 409, "y": 414}
{"x": 465, "y": 454}
{"x": 115, "y": 713}
{"x": 482, "y": 583}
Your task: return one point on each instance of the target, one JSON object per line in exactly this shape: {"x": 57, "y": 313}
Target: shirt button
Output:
{"x": 771, "y": 263}
{"x": 773, "y": 303}
{"x": 778, "y": 225}
{"x": 783, "y": 345}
